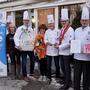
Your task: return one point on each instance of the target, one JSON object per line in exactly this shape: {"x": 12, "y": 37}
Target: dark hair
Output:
{"x": 8, "y": 27}
{"x": 42, "y": 26}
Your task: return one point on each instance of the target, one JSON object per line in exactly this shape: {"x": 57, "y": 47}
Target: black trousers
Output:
{"x": 81, "y": 67}
{"x": 62, "y": 65}
{"x": 49, "y": 62}
{"x": 43, "y": 66}
{"x": 15, "y": 59}
{"x": 15, "y": 56}
{"x": 65, "y": 64}
{"x": 24, "y": 62}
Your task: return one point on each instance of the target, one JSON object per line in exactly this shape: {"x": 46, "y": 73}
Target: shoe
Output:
{"x": 61, "y": 81}
{"x": 32, "y": 78}
{"x": 44, "y": 78}
{"x": 40, "y": 78}
{"x": 26, "y": 79}
{"x": 64, "y": 87}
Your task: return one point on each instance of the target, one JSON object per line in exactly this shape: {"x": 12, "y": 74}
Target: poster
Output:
{"x": 87, "y": 42}
{"x": 3, "y": 60}
{"x": 75, "y": 46}
{"x": 87, "y": 48}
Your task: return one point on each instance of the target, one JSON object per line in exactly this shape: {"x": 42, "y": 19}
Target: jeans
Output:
{"x": 15, "y": 60}
{"x": 24, "y": 62}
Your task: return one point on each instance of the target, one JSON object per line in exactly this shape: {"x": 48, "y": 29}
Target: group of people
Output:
{"x": 49, "y": 43}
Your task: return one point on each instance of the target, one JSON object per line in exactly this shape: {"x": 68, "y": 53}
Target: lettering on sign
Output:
{"x": 87, "y": 48}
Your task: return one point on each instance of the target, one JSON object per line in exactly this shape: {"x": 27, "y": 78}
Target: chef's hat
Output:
{"x": 64, "y": 14}
{"x": 9, "y": 19}
{"x": 85, "y": 13}
{"x": 26, "y": 15}
{"x": 50, "y": 18}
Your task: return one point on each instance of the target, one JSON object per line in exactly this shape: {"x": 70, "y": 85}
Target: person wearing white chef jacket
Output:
{"x": 24, "y": 41}
{"x": 52, "y": 52}
{"x": 82, "y": 59}
{"x": 67, "y": 34}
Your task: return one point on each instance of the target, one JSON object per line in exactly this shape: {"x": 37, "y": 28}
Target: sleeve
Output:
{"x": 17, "y": 37}
{"x": 7, "y": 44}
{"x": 58, "y": 36}
{"x": 70, "y": 38}
{"x": 35, "y": 41}
{"x": 46, "y": 37}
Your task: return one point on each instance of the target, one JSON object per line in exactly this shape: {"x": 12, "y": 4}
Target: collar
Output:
{"x": 83, "y": 27}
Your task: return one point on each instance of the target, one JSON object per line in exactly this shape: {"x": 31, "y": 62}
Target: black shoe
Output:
{"x": 64, "y": 87}
{"x": 61, "y": 81}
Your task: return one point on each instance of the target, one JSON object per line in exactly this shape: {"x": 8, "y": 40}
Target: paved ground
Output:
{"x": 8, "y": 84}
{"x": 35, "y": 85}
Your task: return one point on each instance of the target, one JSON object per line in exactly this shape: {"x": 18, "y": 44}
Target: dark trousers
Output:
{"x": 49, "y": 62}
{"x": 43, "y": 66}
{"x": 24, "y": 62}
{"x": 81, "y": 67}
{"x": 62, "y": 65}
{"x": 88, "y": 73}
{"x": 65, "y": 66}
{"x": 15, "y": 58}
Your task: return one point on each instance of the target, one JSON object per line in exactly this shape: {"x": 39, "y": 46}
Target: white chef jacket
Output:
{"x": 19, "y": 36}
{"x": 52, "y": 36}
{"x": 83, "y": 36}
{"x": 64, "y": 48}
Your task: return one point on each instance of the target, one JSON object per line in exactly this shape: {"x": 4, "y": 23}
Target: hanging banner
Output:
{"x": 3, "y": 60}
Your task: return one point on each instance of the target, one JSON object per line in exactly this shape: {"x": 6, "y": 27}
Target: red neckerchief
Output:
{"x": 63, "y": 31}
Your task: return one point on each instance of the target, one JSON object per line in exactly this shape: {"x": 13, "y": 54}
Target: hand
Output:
{"x": 7, "y": 55}
{"x": 56, "y": 45}
{"x": 48, "y": 44}
{"x": 19, "y": 48}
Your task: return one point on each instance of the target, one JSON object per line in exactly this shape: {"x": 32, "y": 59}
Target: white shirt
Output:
{"x": 25, "y": 34}
{"x": 51, "y": 36}
{"x": 82, "y": 35}
{"x": 64, "y": 48}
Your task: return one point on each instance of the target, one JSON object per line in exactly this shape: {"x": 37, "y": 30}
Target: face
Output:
{"x": 64, "y": 23}
{"x": 85, "y": 22}
{"x": 51, "y": 26}
{"x": 11, "y": 28}
{"x": 42, "y": 31}
{"x": 26, "y": 22}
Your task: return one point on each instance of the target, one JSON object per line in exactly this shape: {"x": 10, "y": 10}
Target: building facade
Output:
{"x": 39, "y": 9}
